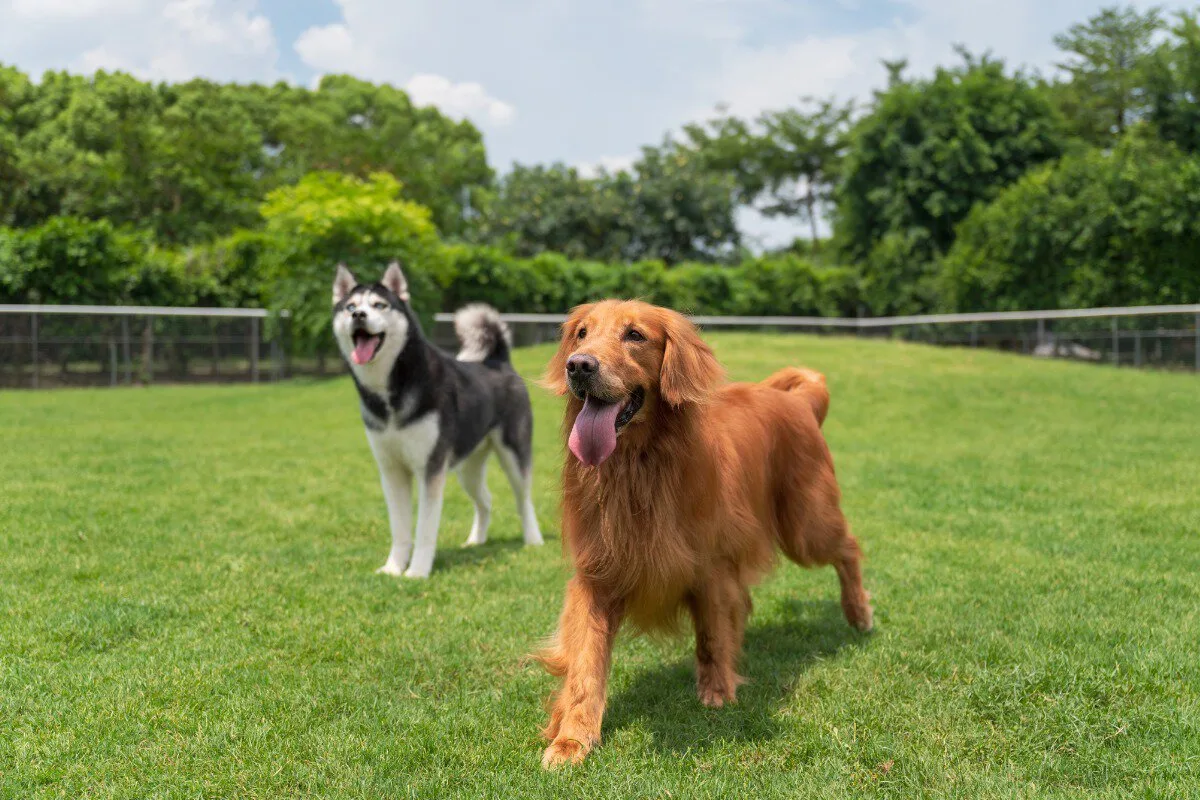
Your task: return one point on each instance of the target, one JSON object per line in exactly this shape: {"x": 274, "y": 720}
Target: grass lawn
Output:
{"x": 188, "y": 606}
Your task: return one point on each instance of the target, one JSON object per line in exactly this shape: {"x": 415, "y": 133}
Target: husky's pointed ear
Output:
{"x": 394, "y": 282}
{"x": 343, "y": 283}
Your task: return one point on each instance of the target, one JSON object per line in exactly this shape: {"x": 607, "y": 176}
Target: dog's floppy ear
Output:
{"x": 394, "y": 282}
{"x": 343, "y": 283}
{"x": 555, "y": 378}
{"x": 690, "y": 371}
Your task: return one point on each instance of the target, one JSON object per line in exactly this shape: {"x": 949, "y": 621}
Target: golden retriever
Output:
{"x": 677, "y": 490}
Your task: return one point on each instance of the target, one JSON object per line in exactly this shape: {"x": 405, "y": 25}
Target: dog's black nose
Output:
{"x": 582, "y": 366}
{"x": 360, "y": 314}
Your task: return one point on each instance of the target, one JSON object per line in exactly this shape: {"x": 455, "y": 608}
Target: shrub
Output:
{"x": 1098, "y": 229}
{"x": 328, "y": 218}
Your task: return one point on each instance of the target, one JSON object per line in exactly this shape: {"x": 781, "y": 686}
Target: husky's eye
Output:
{"x": 634, "y": 335}
{"x": 582, "y": 333}
{"x": 350, "y": 307}
{"x": 381, "y": 306}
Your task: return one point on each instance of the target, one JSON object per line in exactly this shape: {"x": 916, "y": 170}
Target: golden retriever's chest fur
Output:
{"x": 646, "y": 526}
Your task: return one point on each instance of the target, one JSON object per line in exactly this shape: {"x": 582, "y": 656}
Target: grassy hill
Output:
{"x": 188, "y": 606}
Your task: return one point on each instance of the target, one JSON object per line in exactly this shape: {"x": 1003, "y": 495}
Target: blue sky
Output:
{"x": 546, "y": 80}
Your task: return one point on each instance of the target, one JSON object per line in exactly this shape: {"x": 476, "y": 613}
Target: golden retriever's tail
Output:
{"x": 808, "y": 383}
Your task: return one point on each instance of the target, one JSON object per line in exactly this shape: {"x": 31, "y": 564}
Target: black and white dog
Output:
{"x": 427, "y": 412}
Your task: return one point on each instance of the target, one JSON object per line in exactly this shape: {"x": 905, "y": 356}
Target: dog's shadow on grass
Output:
{"x": 450, "y": 558}
{"x": 775, "y": 655}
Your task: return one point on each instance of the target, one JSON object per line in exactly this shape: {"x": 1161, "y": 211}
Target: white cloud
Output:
{"x": 359, "y": 45}
{"x": 71, "y": 9}
{"x": 459, "y": 99}
{"x": 328, "y": 48}
{"x": 172, "y": 41}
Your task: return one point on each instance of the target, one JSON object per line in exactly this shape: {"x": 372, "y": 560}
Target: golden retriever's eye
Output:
{"x": 634, "y": 335}
{"x": 582, "y": 333}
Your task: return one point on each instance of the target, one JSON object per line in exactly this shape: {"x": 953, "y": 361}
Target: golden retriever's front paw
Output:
{"x": 717, "y": 698}
{"x": 716, "y": 690}
{"x": 563, "y": 751}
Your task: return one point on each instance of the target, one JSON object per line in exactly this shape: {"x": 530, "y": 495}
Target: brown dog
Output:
{"x": 677, "y": 491}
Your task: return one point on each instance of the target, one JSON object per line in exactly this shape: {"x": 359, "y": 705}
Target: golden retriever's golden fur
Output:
{"x": 706, "y": 481}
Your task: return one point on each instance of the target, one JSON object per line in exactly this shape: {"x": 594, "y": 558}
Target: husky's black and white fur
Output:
{"x": 427, "y": 412}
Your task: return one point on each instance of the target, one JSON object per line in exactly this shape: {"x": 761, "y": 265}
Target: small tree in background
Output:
{"x": 329, "y": 218}
{"x": 1107, "y": 61}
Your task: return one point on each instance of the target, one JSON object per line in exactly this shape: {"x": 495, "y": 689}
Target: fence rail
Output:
{"x": 1165, "y": 336}
{"x": 49, "y": 346}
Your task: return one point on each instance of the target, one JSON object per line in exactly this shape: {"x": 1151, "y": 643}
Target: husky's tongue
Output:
{"x": 594, "y": 435}
{"x": 364, "y": 348}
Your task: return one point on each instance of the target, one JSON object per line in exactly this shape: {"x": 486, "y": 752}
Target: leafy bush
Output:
{"x": 1098, "y": 229}
{"x": 328, "y": 218}
{"x": 70, "y": 261}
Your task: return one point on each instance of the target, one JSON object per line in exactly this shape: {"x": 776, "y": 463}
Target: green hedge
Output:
{"x": 778, "y": 285}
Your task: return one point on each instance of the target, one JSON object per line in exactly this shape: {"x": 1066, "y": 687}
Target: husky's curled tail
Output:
{"x": 483, "y": 335}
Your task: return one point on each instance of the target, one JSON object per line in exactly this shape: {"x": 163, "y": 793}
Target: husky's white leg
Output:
{"x": 397, "y": 492}
{"x": 522, "y": 486}
{"x": 472, "y": 474}
{"x": 429, "y": 514}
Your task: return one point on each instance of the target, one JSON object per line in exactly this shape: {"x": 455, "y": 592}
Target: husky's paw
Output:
{"x": 475, "y": 541}
{"x": 416, "y": 573}
{"x": 395, "y": 570}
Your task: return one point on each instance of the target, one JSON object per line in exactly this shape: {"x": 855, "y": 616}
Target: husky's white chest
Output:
{"x": 411, "y": 446}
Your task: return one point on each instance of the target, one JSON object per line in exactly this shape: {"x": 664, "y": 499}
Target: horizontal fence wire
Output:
{"x": 44, "y": 346}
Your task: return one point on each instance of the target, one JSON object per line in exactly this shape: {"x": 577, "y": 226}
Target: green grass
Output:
{"x": 188, "y": 606}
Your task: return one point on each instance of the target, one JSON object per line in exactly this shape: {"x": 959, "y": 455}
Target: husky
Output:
{"x": 427, "y": 412}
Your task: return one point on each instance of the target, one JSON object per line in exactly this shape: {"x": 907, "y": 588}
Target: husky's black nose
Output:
{"x": 582, "y": 366}
{"x": 358, "y": 315}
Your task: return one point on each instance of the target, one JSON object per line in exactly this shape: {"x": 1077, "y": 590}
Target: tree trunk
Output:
{"x": 811, "y": 203}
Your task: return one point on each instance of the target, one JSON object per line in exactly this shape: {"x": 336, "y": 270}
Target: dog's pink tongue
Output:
{"x": 364, "y": 349}
{"x": 594, "y": 435}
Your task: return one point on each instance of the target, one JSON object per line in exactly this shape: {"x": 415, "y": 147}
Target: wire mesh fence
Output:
{"x": 61, "y": 346}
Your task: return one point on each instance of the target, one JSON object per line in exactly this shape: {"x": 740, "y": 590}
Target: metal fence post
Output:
{"x": 1041, "y": 331}
{"x": 1137, "y": 348}
{"x": 125, "y": 350}
{"x": 974, "y": 334}
{"x": 1198, "y": 343}
{"x": 1116, "y": 343}
{"x": 254, "y": 349}
{"x": 112, "y": 361}
{"x": 33, "y": 339}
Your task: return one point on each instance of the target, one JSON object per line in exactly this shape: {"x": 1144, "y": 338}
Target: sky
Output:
{"x": 578, "y": 81}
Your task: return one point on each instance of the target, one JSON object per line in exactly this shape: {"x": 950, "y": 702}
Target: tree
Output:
{"x": 802, "y": 159}
{"x": 785, "y": 163}
{"x": 670, "y": 207}
{"x": 1107, "y": 59}
{"x": 927, "y": 152}
{"x": 358, "y": 128}
{"x": 1173, "y": 85}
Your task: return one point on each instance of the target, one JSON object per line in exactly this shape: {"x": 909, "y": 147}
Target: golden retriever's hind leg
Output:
{"x": 856, "y": 604}
{"x": 719, "y": 611}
